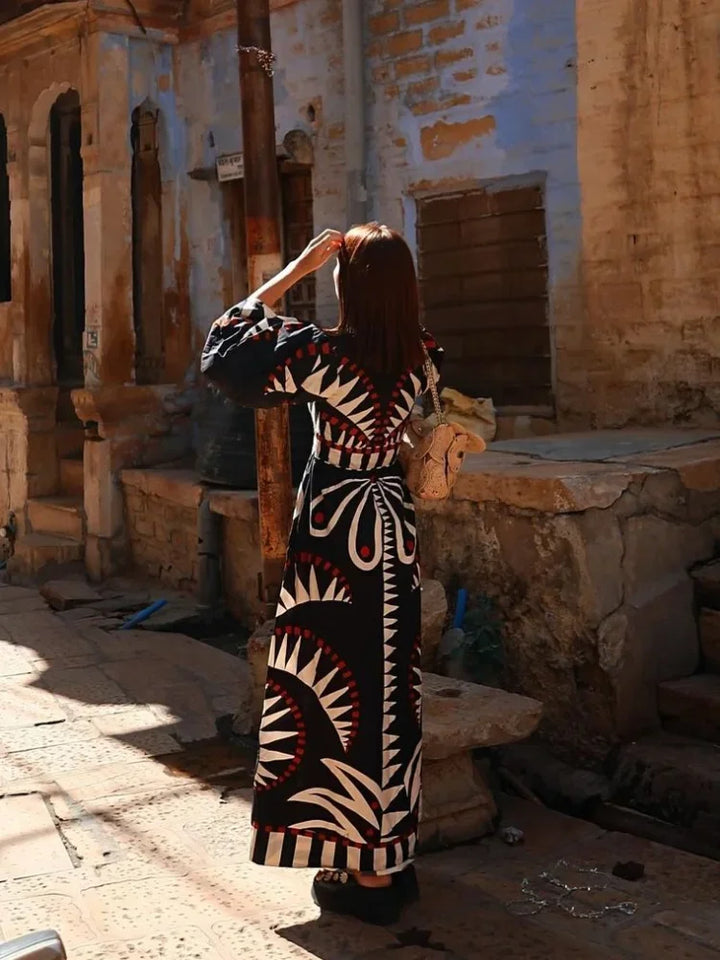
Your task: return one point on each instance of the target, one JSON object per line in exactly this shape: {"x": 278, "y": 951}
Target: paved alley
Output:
{"x": 117, "y": 829}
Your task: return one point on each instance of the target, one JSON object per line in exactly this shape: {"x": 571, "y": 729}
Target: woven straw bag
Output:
{"x": 433, "y": 450}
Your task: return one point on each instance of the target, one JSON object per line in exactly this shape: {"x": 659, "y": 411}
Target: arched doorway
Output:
{"x": 68, "y": 249}
{"x": 5, "y": 249}
{"x": 147, "y": 247}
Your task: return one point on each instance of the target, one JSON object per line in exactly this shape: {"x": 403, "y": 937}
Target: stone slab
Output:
{"x": 85, "y": 691}
{"x": 709, "y": 626}
{"x": 51, "y": 734}
{"x": 234, "y": 504}
{"x": 181, "y": 487}
{"x": 187, "y": 944}
{"x": 29, "y": 842}
{"x": 545, "y": 487}
{"x": 53, "y": 762}
{"x": 63, "y": 594}
{"x": 669, "y": 776}
{"x": 599, "y": 445}
{"x": 48, "y": 912}
{"x": 697, "y": 465}
{"x": 707, "y": 584}
{"x": 692, "y": 706}
{"x": 13, "y": 660}
{"x": 10, "y": 593}
{"x": 188, "y": 712}
{"x": 24, "y": 705}
{"x": 46, "y": 635}
{"x": 21, "y": 606}
{"x": 460, "y": 716}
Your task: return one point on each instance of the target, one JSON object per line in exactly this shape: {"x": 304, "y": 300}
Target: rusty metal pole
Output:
{"x": 264, "y": 250}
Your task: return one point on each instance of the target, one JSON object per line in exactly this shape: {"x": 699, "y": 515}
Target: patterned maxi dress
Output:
{"x": 338, "y": 775}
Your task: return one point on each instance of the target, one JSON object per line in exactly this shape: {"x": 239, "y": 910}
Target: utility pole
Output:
{"x": 264, "y": 250}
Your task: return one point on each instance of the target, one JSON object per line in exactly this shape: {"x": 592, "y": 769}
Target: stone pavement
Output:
{"x": 132, "y": 841}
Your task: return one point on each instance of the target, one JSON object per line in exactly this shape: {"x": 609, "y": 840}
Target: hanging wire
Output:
{"x": 534, "y": 902}
{"x": 265, "y": 58}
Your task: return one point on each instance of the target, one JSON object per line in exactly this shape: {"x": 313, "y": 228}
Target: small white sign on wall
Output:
{"x": 230, "y": 167}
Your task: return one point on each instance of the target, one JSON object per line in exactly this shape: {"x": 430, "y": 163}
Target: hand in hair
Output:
{"x": 317, "y": 253}
{"x": 314, "y": 256}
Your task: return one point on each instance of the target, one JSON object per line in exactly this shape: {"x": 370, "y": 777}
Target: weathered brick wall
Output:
{"x": 647, "y": 347}
{"x": 466, "y": 94}
{"x": 161, "y": 525}
{"x": 307, "y": 41}
{"x": 161, "y": 520}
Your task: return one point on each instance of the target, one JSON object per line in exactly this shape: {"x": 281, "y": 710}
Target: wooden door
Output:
{"x": 484, "y": 284}
{"x": 68, "y": 250}
{"x": 148, "y": 305}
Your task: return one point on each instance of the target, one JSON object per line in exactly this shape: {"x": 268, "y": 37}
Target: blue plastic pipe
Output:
{"x": 460, "y": 607}
{"x": 143, "y": 615}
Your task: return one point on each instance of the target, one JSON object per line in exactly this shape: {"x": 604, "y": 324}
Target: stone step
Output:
{"x": 707, "y": 584}
{"x": 674, "y": 778}
{"x": 710, "y": 639}
{"x": 59, "y": 516}
{"x": 692, "y": 706}
{"x": 70, "y": 439}
{"x": 72, "y": 481}
{"x": 35, "y": 552}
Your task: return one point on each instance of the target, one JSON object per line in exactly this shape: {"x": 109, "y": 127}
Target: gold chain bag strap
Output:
{"x": 433, "y": 450}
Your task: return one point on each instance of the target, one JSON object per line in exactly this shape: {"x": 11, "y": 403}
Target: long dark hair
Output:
{"x": 379, "y": 304}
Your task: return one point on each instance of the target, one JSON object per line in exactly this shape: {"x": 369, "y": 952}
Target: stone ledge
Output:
{"x": 546, "y": 487}
{"x": 181, "y": 487}
{"x": 697, "y": 465}
{"x": 571, "y": 473}
{"x": 234, "y": 504}
{"x": 460, "y": 716}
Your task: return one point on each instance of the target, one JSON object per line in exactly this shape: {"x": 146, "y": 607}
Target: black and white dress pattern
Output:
{"x": 337, "y": 783}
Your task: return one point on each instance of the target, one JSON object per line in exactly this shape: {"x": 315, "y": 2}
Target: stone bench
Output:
{"x": 458, "y": 717}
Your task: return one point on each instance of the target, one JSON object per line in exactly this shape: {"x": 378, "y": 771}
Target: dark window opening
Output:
{"x": 68, "y": 251}
{"x": 297, "y": 213}
{"x": 5, "y": 243}
{"x": 147, "y": 248}
{"x": 482, "y": 260}
{"x": 297, "y": 232}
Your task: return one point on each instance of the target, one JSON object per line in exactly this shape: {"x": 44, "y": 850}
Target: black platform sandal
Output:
{"x": 336, "y": 891}
{"x": 407, "y": 883}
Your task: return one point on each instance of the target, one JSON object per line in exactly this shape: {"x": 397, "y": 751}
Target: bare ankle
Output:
{"x": 373, "y": 880}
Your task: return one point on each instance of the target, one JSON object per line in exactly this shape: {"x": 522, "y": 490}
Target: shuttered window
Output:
{"x": 484, "y": 281}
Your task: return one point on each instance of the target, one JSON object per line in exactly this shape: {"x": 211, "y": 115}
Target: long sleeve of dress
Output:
{"x": 261, "y": 359}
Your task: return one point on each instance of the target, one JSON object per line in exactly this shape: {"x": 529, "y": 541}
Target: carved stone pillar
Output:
{"x": 109, "y": 346}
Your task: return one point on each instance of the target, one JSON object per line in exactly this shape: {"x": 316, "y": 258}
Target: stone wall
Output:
{"x": 646, "y": 347}
{"x": 588, "y": 563}
{"x": 240, "y": 553}
{"x": 161, "y": 522}
{"x": 161, "y": 519}
{"x": 307, "y": 40}
{"x": 464, "y": 95}
{"x": 587, "y": 560}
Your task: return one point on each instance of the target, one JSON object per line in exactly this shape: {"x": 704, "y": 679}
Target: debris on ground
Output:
{"x": 629, "y": 871}
{"x": 512, "y": 836}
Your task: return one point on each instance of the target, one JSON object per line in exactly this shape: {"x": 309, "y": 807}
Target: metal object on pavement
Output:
{"x": 46, "y": 945}
{"x": 264, "y": 248}
{"x": 570, "y": 888}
